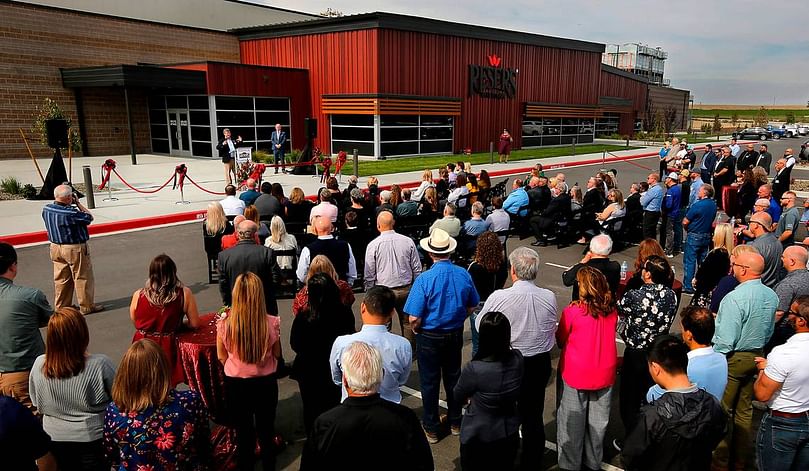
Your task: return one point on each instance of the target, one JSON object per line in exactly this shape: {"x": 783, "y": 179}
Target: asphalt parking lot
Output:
{"x": 121, "y": 261}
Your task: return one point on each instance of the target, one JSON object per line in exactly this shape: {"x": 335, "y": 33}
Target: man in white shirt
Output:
{"x": 498, "y": 220}
{"x": 735, "y": 149}
{"x": 338, "y": 252}
{"x": 233, "y": 206}
{"x": 325, "y": 208}
{"x": 783, "y": 382}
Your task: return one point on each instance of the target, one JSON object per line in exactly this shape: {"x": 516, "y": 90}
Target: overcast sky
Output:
{"x": 724, "y": 51}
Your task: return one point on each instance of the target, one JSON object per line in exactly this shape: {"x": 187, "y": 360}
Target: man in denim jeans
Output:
{"x": 783, "y": 382}
{"x": 439, "y": 302}
{"x": 698, "y": 222}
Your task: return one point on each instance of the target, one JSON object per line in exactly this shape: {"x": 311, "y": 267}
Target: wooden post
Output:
{"x": 39, "y": 171}
{"x": 69, "y": 158}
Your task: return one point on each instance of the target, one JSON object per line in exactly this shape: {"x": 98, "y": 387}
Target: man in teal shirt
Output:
{"x": 744, "y": 324}
{"x": 22, "y": 312}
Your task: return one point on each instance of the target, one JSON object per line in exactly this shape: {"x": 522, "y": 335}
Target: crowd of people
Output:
{"x": 430, "y": 258}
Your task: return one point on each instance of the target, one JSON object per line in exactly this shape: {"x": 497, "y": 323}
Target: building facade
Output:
{"x": 387, "y": 85}
{"x": 638, "y": 59}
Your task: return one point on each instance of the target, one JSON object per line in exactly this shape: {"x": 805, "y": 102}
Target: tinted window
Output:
{"x": 196, "y": 102}
{"x": 352, "y": 120}
{"x": 234, "y": 103}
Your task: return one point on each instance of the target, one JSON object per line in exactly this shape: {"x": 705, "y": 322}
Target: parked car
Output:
{"x": 804, "y": 155}
{"x": 753, "y": 133}
{"x": 531, "y": 128}
{"x": 803, "y": 129}
{"x": 777, "y": 131}
{"x": 791, "y": 130}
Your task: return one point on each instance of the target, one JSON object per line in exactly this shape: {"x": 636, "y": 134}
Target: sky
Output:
{"x": 725, "y": 52}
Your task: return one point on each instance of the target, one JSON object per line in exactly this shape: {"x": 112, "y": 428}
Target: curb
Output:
{"x": 33, "y": 238}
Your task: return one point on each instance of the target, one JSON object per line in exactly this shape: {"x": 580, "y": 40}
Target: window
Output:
{"x": 607, "y": 124}
{"x": 541, "y": 131}
{"x": 254, "y": 119}
{"x": 415, "y": 135}
{"x": 349, "y": 132}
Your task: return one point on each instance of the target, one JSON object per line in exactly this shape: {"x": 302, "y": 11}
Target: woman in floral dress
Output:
{"x": 149, "y": 426}
{"x": 644, "y": 314}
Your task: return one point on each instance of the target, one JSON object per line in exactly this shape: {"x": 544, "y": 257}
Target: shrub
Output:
{"x": 11, "y": 185}
{"x": 29, "y": 192}
{"x": 51, "y": 110}
{"x": 262, "y": 156}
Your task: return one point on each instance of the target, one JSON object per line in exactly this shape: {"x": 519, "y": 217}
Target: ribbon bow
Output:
{"x": 341, "y": 160}
{"x": 106, "y": 168}
{"x": 180, "y": 170}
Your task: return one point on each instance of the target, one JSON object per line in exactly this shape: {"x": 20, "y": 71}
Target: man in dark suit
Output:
{"x": 747, "y": 159}
{"x": 539, "y": 195}
{"x": 592, "y": 203}
{"x": 707, "y": 165}
{"x": 780, "y": 183}
{"x": 366, "y": 431}
{"x": 279, "y": 140}
{"x": 247, "y": 256}
{"x": 597, "y": 257}
{"x": 764, "y": 158}
{"x": 227, "y": 152}
{"x": 557, "y": 210}
{"x": 722, "y": 173}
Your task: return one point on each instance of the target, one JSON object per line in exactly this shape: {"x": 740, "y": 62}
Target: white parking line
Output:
{"x": 549, "y": 445}
{"x": 557, "y": 265}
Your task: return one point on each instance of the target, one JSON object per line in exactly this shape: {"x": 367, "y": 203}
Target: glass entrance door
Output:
{"x": 179, "y": 132}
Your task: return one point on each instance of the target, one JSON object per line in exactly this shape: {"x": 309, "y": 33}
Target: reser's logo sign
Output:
{"x": 492, "y": 81}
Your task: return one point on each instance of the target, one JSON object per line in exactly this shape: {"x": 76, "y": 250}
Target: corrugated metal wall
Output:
{"x": 614, "y": 85}
{"x": 344, "y": 62}
{"x": 661, "y": 98}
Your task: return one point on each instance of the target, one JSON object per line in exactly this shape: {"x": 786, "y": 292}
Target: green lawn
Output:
{"x": 774, "y": 114}
{"x": 409, "y": 164}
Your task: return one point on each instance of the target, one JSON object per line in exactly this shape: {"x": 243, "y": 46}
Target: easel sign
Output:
{"x": 244, "y": 154}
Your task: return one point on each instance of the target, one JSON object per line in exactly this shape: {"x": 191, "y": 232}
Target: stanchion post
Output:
{"x": 88, "y": 186}
{"x": 491, "y": 152}
{"x": 574, "y": 147}
{"x": 182, "y": 198}
{"x": 356, "y": 163}
{"x": 603, "y": 157}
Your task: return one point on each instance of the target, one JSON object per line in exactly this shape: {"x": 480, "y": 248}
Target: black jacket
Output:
{"x": 593, "y": 202}
{"x": 224, "y": 148}
{"x": 746, "y": 160}
{"x": 367, "y": 433}
{"x": 780, "y": 183}
{"x": 678, "y": 432}
{"x": 247, "y": 256}
{"x": 611, "y": 269}
{"x": 538, "y": 198}
{"x": 559, "y": 208}
{"x": 764, "y": 160}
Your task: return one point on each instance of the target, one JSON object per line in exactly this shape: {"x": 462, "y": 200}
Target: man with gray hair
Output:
{"x": 66, "y": 221}
{"x": 247, "y": 256}
{"x": 366, "y": 431}
{"x": 597, "y": 257}
{"x": 449, "y": 223}
{"x": 325, "y": 208}
{"x": 531, "y": 311}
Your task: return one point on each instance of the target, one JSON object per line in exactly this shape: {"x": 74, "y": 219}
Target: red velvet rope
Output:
{"x": 106, "y": 168}
{"x": 181, "y": 171}
{"x": 203, "y": 189}
{"x": 142, "y": 191}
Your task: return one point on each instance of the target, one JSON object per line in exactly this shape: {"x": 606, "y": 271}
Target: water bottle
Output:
{"x": 624, "y": 269}
{"x": 733, "y": 221}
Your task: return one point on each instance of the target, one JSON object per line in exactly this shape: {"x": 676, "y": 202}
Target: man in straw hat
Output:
{"x": 439, "y": 302}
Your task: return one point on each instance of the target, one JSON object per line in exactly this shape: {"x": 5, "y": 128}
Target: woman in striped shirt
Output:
{"x": 72, "y": 389}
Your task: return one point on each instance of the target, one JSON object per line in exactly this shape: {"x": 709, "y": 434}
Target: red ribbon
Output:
{"x": 106, "y": 169}
{"x": 180, "y": 170}
{"x": 341, "y": 160}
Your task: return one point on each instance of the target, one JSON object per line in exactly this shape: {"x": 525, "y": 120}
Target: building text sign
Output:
{"x": 492, "y": 81}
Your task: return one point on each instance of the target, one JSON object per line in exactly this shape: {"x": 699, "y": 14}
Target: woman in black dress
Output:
{"x": 313, "y": 333}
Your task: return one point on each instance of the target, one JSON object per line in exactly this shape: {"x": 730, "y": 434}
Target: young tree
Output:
{"x": 762, "y": 117}
{"x": 791, "y": 117}
{"x": 734, "y": 119}
{"x": 717, "y": 124}
{"x": 670, "y": 117}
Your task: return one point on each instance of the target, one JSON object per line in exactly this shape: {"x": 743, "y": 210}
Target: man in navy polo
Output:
{"x": 698, "y": 222}
{"x": 439, "y": 302}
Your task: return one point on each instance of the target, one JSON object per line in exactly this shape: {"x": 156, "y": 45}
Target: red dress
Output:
{"x": 504, "y": 146}
{"x": 161, "y": 324}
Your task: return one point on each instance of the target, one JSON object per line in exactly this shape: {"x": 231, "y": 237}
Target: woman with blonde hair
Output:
{"x": 299, "y": 207}
{"x": 280, "y": 240}
{"x": 248, "y": 344}
{"x": 149, "y": 425}
{"x": 426, "y": 182}
{"x": 251, "y": 214}
{"x": 615, "y": 209}
{"x": 214, "y": 227}
{"x": 71, "y": 389}
{"x": 322, "y": 264}
{"x": 587, "y": 366}
{"x": 157, "y": 311}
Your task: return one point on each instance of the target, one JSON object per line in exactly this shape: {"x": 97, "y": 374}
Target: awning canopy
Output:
{"x": 133, "y": 76}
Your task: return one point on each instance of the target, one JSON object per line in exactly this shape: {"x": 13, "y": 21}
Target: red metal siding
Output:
{"x": 433, "y": 65}
{"x": 344, "y": 62}
{"x": 614, "y": 85}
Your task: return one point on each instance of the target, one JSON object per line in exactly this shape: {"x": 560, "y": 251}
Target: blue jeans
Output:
{"x": 439, "y": 356}
{"x": 696, "y": 248}
{"x": 783, "y": 443}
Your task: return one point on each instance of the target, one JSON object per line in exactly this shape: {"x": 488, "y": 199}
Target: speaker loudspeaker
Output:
{"x": 57, "y": 133}
{"x": 310, "y": 127}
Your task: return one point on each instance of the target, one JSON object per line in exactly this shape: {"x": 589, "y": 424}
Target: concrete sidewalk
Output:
{"x": 22, "y": 217}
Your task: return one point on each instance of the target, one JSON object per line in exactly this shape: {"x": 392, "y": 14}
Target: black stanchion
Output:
{"x": 88, "y": 185}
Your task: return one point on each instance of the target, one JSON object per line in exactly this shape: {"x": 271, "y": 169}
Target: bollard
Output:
{"x": 356, "y": 163}
{"x": 627, "y": 142}
{"x": 574, "y": 147}
{"x": 491, "y": 152}
{"x": 88, "y": 186}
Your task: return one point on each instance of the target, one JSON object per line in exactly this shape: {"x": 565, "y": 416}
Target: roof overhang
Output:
{"x": 382, "y": 20}
{"x": 133, "y": 76}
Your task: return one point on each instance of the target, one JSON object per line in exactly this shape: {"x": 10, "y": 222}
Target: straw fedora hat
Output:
{"x": 439, "y": 242}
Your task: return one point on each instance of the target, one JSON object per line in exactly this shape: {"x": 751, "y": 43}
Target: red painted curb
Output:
{"x": 156, "y": 221}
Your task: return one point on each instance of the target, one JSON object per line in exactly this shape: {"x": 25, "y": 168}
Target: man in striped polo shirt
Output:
{"x": 66, "y": 221}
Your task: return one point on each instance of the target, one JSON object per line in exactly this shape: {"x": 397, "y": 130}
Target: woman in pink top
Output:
{"x": 586, "y": 335}
{"x": 248, "y": 343}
